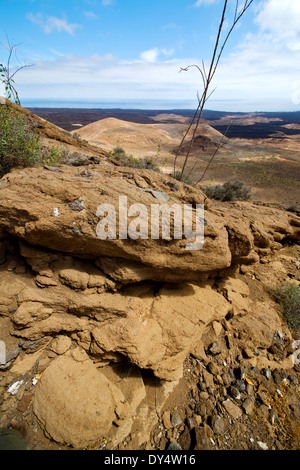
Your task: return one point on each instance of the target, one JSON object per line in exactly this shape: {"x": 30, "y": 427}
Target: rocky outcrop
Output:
{"x": 81, "y": 362}
{"x": 154, "y": 330}
{"x": 91, "y": 322}
{"x": 37, "y": 205}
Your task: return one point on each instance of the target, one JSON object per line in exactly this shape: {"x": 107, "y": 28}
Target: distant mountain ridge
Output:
{"x": 67, "y": 117}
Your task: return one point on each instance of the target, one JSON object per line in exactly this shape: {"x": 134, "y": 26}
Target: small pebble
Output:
{"x": 174, "y": 446}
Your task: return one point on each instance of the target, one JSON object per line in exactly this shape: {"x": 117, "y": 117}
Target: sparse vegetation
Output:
{"x": 118, "y": 153}
{"x": 51, "y": 155}
{"x": 229, "y": 191}
{"x": 294, "y": 208}
{"x": 183, "y": 177}
{"x": 266, "y": 173}
{"x": 20, "y": 145}
{"x": 7, "y": 76}
{"x": 76, "y": 136}
{"x": 128, "y": 160}
{"x": 288, "y": 296}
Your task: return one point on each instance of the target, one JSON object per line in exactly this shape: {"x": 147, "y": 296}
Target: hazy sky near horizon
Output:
{"x": 133, "y": 49}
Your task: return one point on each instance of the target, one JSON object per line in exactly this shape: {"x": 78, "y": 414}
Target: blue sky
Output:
{"x": 132, "y": 50}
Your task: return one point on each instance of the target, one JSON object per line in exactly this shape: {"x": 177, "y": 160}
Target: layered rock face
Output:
{"x": 58, "y": 210}
{"x": 147, "y": 301}
{"x": 153, "y": 329}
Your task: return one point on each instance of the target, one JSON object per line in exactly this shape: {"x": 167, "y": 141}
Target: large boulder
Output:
{"x": 75, "y": 403}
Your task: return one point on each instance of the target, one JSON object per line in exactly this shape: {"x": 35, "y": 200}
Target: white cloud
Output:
{"x": 52, "y": 23}
{"x": 281, "y": 19}
{"x": 263, "y": 68}
{"x": 103, "y": 77}
{"x": 294, "y": 46}
{"x": 55, "y": 52}
{"x": 90, "y": 14}
{"x": 174, "y": 26}
{"x": 245, "y": 75}
{"x": 152, "y": 55}
{"x": 199, "y": 3}
{"x": 106, "y": 3}
{"x": 266, "y": 63}
{"x": 279, "y": 16}
{"x": 167, "y": 52}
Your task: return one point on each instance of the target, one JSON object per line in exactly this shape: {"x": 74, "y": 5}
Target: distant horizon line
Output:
{"x": 225, "y": 106}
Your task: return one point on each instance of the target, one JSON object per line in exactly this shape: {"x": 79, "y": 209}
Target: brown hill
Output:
{"x": 145, "y": 138}
{"x": 114, "y": 132}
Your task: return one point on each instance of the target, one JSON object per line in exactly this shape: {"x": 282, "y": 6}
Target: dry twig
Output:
{"x": 207, "y": 79}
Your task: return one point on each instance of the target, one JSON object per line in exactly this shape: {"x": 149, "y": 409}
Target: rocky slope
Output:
{"x": 138, "y": 343}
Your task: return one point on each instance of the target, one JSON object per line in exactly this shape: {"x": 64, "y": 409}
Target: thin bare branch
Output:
{"x": 8, "y": 79}
{"x": 236, "y": 10}
{"x": 243, "y": 10}
{"x": 207, "y": 78}
{"x": 20, "y": 68}
{"x": 185, "y": 69}
{"x": 221, "y": 144}
{"x": 184, "y": 137}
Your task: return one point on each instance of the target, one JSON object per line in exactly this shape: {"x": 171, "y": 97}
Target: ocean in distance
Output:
{"x": 109, "y": 104}
{"x": 242, "y": 106}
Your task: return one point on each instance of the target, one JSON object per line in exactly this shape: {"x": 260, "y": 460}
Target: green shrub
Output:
{"x": 20, "y": 145}
{"x": 128, "y": 160}
{"x": 288, "y": 296}
{"x": 51, "y": 155}
{"x": 146, "y": 163}
{"x": 230, "y": 191}
{"x": 185, "y": 177}
{"x": 76, "y": 136}
{"x": 118, "y": 152}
